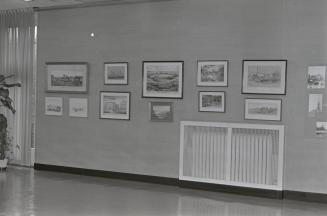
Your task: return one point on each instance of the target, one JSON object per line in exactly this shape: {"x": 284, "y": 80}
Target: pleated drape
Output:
{"x": 17, "y": 42}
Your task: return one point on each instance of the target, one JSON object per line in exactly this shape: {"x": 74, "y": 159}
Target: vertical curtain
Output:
{"x": 17, "y": 41}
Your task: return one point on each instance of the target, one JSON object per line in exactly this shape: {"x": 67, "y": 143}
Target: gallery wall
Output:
{"x": 180, "y": 30}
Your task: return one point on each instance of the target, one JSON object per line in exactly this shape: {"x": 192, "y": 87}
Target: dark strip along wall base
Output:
{"x": 292, "y": 195}
{"x": 305, "y": 196}
{"x": 108, "y": 174}
{"x": 232, "y": 189}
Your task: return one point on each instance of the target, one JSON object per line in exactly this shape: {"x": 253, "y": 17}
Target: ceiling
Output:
{"x": 14, "y": 4}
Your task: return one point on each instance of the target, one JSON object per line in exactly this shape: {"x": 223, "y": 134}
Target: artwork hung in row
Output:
{"x": 316, "y": 77}
{"x": 115, "y": 105}
{"x": 263, "y": 109}
{"x": 54, "y": 106}
{"x": 78, "y": 107}
{"x": 161, "y": 111}
{"x": 315, "y": 103}
{"x": 211, "y": 101}
{"x": 321, "y": 128}
{"x": 264, "y": 77}
{"x": 212, "y": 73}
{"x": 71, "y": 77}
{"x": 116, "y": 73}
{"x": 163, "y": 79}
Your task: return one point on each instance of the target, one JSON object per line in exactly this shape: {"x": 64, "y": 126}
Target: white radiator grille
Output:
{"x": 233, "y": 154}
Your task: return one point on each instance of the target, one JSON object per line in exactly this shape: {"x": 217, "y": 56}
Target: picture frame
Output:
{"x": 212, "y": 73}
{"x": 316, "y": 77}
{"x": 67, "y": 77}
{"x": 263, "y": 109}
{"x": 54, "y": 106}
{"x": 161, "y": 111}
{"x": 78, "y": 107}
{"x": 321, "y": 128}
{"x": 115, "y": 105}
{"x": 264, "y": 77}
{"x": 212, "y": 101}
{"x": 163, "y": 79}
{"x": 116, "y": 73}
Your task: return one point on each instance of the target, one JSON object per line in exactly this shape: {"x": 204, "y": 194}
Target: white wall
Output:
{"x": 187, "y": 30}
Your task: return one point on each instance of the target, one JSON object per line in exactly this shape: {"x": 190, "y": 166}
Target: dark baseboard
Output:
{"x": 292, "y": 195}
{"x": 305, "y": 196}
{"x": 232, "y": 189}
{"x": 108, "y": 174}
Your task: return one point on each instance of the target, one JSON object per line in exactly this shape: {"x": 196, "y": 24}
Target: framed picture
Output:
{"x": 78, "y": 107}
{"x": 161, "y": 111}
{"x": 211, "y": 101}
{"x": 163, "y": 79}
{"x": 321, "y": 128}
{"x": 263, "y": 109}
{"x": 264, "y": 77}
{"x": 69, "y": 77}
{"x": 54, "y": 106}
{"x": 315, "y": 103}
{"x": 316, "y": 77}
{"x": 116, "y": 73}
{"x": 114, "y": 105}
{"x": 212, "y": 73}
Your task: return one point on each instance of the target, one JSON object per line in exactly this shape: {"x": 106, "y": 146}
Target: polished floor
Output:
{"x": 25, "y": 192}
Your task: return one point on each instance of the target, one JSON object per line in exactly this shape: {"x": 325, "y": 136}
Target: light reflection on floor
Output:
{"x": 25, "y": 192}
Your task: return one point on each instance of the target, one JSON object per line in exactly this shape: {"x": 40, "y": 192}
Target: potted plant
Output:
{"x": 6, "y": 102}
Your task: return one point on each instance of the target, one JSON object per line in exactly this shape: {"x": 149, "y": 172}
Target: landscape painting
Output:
{"x": 67, "y": 77}
{"x": 212, "y": 73}
{"x": 264, "y": 77}
{"x": 161, "y": 111}
{"x": 54, "y": 106}
{"x": 321, "y": 128}
{"x": 263, "y": 109}
{"x": 78, "y": 107}
{"x": 116, "y": 73}
{"x": 316, "y": 77}
{"x": 163, "y": 79}
{"x": 211, "y": 101}
{"x": 115, "y": 105}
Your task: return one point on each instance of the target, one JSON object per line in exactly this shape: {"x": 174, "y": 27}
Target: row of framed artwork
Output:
{"x": 113, "y": 105}
{"x": 116, "y": 105}
{"x": 164, "y": 79}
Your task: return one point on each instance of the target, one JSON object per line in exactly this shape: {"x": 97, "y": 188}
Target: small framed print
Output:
{"x": 116, "y": 73}
{"x": 161, "y": 111}
{"x": 70, "y": 77}
{"x": 212, "y": 73}
{"x": 78, "y": 107}
{"x": 211, "y": 101}
{"x": 54, "y": 106}
{"x": 321, "y": 128}
{"x": 316, "y": 77}
{"x": 115, "y": 105}
{"x": 264, "y": 77}
{"x": 263, "y": 109}
{"x": 163, "y": 79}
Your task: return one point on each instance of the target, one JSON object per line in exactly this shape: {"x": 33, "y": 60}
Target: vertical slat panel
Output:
{"x": 247, "y": 155}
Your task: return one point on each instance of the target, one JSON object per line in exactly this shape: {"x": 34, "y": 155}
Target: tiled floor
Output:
{"x": 27, "y": 192}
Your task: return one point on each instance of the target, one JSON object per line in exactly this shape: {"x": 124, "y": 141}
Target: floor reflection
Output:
{"x": 25, "y": 192}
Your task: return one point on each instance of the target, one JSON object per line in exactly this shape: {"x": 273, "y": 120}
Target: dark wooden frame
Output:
{"x": 197, "y": 73}
{"x": 182, "y": 79}
{"x": 67, "y": 63}
{"x": 199, "y": 101}
{"x": 112, "y": 63}
{"x": 152, "y": 103}
{"x": 268, "y": 99}
{"x": 263, "y": 60}
{"x": 129, "y": 105}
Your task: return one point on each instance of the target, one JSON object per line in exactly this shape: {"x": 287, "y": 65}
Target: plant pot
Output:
{"x": 3, "y": 164}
